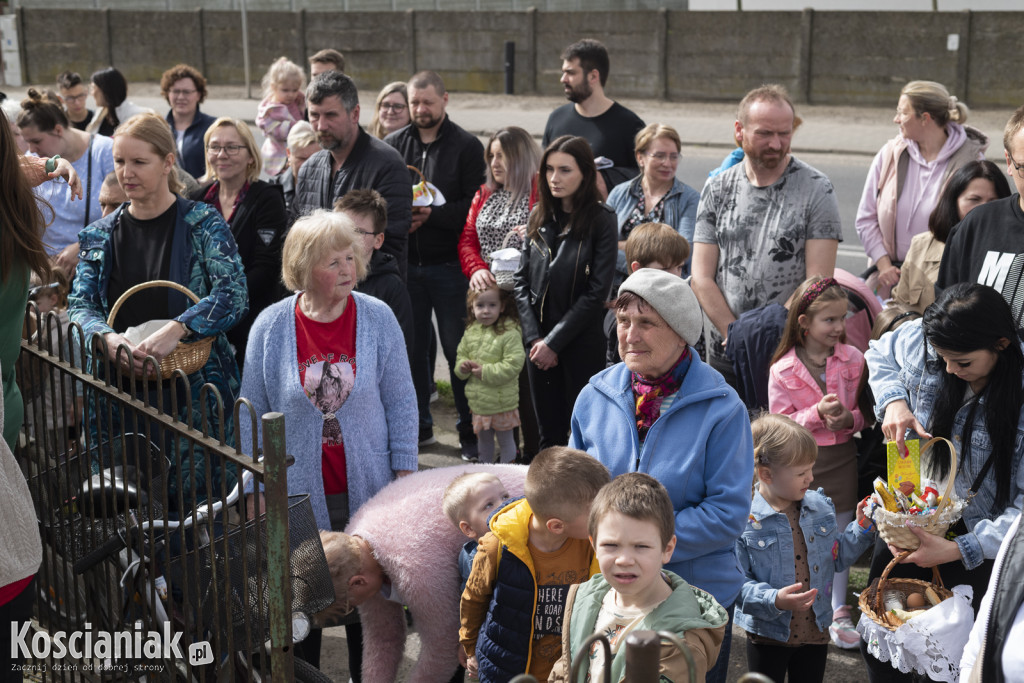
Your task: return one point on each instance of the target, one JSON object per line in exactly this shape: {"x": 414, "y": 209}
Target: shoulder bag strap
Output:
{"x": 88, "y": 183}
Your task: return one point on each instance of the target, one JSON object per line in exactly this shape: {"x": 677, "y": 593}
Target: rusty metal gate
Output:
{"x": 159, "y": 562}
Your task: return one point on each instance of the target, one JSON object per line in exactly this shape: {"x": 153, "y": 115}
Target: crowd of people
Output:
{"x": 672, "y": 363}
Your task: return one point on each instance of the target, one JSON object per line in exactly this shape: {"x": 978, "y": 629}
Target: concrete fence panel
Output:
{"x": 145, "y": 44}
{"x": 994, "y": 77}
{"x": 375, "y": 44}
{"x": 866, "y": 57}
{"x": 78, "y": 41}
{"x": 636, "y": 66}
{"x": 468, "y": 48}
{"x": 720, "y": 56}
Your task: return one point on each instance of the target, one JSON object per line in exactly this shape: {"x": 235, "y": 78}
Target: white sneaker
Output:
{"x": 843, "y": 632}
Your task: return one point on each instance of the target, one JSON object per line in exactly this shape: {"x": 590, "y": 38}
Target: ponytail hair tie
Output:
{"x": 813, "y": 292}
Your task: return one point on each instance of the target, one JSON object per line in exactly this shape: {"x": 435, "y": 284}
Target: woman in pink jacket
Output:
{"x": 815, "y": 379}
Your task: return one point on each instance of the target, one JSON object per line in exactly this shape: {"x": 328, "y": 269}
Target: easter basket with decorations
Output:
{"x": 903, "y": 502}
{"x": 916, "y": 626}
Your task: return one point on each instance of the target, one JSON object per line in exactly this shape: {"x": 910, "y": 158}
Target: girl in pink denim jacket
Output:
{"x": 815, "y": 379}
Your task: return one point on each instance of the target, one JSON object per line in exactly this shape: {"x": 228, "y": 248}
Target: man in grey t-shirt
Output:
{"x": 763, "y": 226}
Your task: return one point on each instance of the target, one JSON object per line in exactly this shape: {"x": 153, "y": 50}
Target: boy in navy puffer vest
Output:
{"x": 536, "y": 550}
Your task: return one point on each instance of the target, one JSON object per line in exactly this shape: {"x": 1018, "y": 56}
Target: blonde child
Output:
{"x": 789, "y": 551}
{"x": 469, "y": 501}
{"x": 491, "y": 356}
{"x": 282, "y": 106}
{"x": 815, "y": 378}
{"x": 536, "y": 549}
{"x": 632, "y": 529}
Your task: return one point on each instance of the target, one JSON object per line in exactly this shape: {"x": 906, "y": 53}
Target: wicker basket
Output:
{"x": 892, "y": 526}
{"x": 506, "y": 277}
{"x": 188, "y": 357}
{"x": 871, "y": 597}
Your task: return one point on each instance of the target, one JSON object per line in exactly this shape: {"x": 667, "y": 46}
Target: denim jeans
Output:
{"x": 439, "y": 289}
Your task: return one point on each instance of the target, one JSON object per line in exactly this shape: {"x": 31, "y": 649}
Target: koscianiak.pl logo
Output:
{"x": 103, "y": 648}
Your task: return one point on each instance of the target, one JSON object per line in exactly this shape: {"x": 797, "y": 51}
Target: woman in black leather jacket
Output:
{"x": 563, "y": 280}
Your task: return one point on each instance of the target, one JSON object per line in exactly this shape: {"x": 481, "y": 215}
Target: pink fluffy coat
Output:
{"x": 418, "y": 547}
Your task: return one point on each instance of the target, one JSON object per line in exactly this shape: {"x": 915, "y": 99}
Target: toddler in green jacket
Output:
{"x": 490, "y": 357}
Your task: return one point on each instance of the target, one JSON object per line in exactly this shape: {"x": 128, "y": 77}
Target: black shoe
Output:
{"x": 427, "y": 436}
{"x": 470, "y": 449}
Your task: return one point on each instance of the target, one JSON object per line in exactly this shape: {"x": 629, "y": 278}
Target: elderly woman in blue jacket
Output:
{"x": 665, "y": 412}
{"x": 158, "y": 235}
{"x": 958, "y": 373}
{"x": 656, "y": 195}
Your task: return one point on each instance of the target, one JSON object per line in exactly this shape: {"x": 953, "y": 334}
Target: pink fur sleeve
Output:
{"x": 418, "y": 547}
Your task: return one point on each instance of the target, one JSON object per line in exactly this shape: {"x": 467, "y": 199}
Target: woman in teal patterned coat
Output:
{"x": 158, "y": 235}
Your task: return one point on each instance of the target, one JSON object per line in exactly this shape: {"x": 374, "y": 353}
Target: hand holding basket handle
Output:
{"x": 165, "y": 344}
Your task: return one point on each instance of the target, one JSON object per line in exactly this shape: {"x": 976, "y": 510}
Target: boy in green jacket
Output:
{"x": 632, "y": 529}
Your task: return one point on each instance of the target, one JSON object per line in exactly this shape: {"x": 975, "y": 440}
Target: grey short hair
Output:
{"x": 333, "y": 84}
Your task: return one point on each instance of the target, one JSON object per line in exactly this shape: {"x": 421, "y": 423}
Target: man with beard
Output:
{"x": 351, "y": 159}
{"x": 452, "y": 160}
{"x": 763, "y": 226}
{"x": 609, "y": 127}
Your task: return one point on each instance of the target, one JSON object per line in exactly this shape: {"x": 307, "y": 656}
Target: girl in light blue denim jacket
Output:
{"x": 956, "y": 373}
{"x": 789, "y": 551}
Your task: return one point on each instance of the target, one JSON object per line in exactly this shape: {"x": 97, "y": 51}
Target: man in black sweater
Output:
{"x": 609, "y": 127}
{"x": 988, "y": 244}
{"x": 453, "y": 161}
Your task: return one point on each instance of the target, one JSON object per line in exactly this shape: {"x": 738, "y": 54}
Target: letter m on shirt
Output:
{"x": 994, "y": 269}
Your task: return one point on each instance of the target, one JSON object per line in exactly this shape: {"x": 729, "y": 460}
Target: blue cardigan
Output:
{"x": 379, "y": 419}
{"x": 700, "y": 449}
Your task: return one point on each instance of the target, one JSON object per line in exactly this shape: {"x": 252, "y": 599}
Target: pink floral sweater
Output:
{"x": 418, "y": 548}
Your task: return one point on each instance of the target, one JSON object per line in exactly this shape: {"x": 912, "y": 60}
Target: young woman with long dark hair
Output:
{"x": 562, "y": 282}
{"x": 956, "y": 373}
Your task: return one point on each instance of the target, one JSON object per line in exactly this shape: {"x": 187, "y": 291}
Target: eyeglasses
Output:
{"x": 1019, "y": 168}
{"x": 76, "y": 98}
{"x": 387, "y": 106}
{"x": 663, "y": 156}
{"x": 364, "y": 233}
{"x": 230, "y": 150}
{"x": 183, "y": 93}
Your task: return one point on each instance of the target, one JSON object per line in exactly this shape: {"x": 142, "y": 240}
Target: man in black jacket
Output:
{"x": 351, "y": 159}
{"x": 453, "y": 160}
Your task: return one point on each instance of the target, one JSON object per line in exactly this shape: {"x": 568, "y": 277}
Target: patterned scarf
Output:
{"x": 649, "y": 393}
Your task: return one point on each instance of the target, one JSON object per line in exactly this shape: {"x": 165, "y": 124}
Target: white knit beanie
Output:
{"x": 671, "y": 297}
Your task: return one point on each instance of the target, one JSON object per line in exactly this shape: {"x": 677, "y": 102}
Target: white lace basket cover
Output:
{"x": 931, "y": 643}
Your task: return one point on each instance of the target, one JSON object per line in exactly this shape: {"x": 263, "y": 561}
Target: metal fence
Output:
{"x": 156, "y": 563}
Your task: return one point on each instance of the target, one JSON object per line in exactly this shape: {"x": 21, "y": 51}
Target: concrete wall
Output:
{"x": 823, "y": 57}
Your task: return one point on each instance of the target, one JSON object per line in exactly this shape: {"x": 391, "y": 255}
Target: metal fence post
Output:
{"x": 279, "y": 588}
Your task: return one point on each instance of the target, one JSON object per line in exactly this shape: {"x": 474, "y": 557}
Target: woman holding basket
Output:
{"x": 158, "y": 235}
{"x": 956, "y": 373}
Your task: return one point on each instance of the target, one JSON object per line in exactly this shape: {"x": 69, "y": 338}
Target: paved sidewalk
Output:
{"x": 826, "y": 129}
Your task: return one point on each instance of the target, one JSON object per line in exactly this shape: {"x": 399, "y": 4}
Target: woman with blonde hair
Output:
{"x": 656, "y": 195}
{"x": 391, "y": 110}
{"x": 158, "y": 235}
{"x": 907, "y": 175}
{"x": 252, "y": 208}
